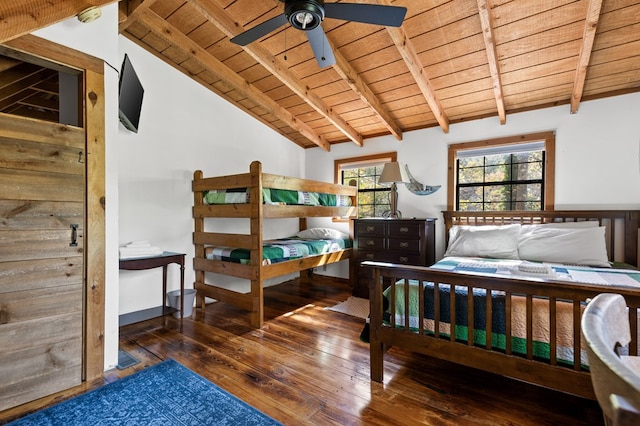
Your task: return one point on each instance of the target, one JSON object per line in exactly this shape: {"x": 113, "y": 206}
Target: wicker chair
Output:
{"x": 615, "y": 378}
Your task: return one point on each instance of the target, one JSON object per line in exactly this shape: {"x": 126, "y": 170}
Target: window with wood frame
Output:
{"x": 363, "y": 172}
{"x": 510, "y": 173}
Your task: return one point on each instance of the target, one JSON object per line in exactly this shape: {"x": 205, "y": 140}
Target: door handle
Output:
{"x": 74, "y": 235}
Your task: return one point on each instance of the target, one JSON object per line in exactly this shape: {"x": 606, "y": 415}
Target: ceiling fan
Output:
{"x": 306, "y": 15}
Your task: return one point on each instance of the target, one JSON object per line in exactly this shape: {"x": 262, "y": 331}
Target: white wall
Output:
{"x": 183, "y": 128}
{"x": 597, "y": 155}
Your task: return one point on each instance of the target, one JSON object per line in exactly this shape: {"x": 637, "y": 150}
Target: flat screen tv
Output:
{"x": 130, "y": 93}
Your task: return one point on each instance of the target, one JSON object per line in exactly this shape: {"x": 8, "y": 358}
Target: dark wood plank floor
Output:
{"x": 308, "y": 366}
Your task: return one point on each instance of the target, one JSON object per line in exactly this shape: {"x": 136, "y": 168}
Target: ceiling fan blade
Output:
{"x": 321, "y": 47}
{"x": 259, "y": 30}
{"x": 390, "y": 16}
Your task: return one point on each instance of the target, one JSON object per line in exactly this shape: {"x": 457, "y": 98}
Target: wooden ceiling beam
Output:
{"x": 590, "y": 26}
{"x": 177, "y": 39}
{"x": 411, "y": 59}
{"x": 128, "y": 10}
{"x": 20, "y": 17}
{"x": 494, "y": 67}
{"x": 217, "y": 16}
{"x": 413, "y": 63}
{"x": 351, "y": 77}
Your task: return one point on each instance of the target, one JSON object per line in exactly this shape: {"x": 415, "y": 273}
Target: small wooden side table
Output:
{"x": 150, "y": 262}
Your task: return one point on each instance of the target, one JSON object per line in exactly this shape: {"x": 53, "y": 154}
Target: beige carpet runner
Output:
{"x": 354, "y": 306}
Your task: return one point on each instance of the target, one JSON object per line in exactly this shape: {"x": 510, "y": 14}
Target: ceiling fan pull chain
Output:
{"x": 285, "y": 44}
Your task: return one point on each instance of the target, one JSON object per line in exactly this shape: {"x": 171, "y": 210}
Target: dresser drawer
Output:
{"x": 370, "y": 228}
{"x": 402, "y": 258}
{"x": 400, "y": 228}
{"x": 378, "y": 256}
{"x": 370, "y": 243}
{"x": 405, "y": 245}
{"x": 405, "y": 259}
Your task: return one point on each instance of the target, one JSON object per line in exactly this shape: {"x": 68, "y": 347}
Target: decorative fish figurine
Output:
{"x": 416, "y": 187}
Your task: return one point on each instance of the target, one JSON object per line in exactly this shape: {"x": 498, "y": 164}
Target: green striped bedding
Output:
{"x": 277, "y": 196}
{"x": 279, "y": 250}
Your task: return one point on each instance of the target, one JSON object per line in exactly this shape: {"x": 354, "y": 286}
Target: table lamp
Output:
{"x": 393, "y": 173}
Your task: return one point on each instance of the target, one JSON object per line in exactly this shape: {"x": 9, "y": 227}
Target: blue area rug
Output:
{"x": 164, "y": 394}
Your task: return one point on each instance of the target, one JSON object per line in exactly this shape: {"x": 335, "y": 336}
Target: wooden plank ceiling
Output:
{"x": 450, "y": 61}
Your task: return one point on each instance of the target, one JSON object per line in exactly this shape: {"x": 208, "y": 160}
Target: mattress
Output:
{"x": 571, "y": 273}
{"x": 277, "y": 196}
{"x": 279, "y": 250}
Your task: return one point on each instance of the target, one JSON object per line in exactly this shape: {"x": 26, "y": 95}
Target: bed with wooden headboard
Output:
{"x": 524, "y": 327}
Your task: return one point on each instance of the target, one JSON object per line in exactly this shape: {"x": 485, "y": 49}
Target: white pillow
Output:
{"x": 571, "y": 225}
{"x": 322, "y": 234}
{"x": 494, "y": 241}
{"x": 576, "y": 246}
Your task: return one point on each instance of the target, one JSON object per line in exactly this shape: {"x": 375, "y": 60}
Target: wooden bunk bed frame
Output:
{"x": 621, "y": 225}
{"x": 257, "y": 212}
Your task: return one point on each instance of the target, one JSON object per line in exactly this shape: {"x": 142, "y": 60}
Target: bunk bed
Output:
{"x": 524, "y": 327}
{"x": 257, "y": 197}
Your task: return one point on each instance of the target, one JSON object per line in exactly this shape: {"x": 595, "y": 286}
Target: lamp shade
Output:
{"x": 393, "y": 172}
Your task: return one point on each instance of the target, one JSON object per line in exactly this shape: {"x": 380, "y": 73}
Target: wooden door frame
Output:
{"x": 94, "y": 233}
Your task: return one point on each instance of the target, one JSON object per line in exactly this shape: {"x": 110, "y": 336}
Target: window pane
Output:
{"x": 527, "y": 192}
{"x": 497, "y": 206}
{"x": 527, "y": 157}
{"x": 365, "y": 211}
{"x": 367, "y": 182}
{"x": 471, "y": 194}
{"x": 367, "y": 197}
{"x": 501, "y": 182}
{"x": 380, "y": 210}
{"x": 471, "y": 207}
{"x": 498, "y": 173}
{"x": 494, "y": 160}
{"x": 527, "y": 171}
{"x": 471, "y": 162}
{"x": 497, "y": 193}
{"x": 373, "y": 199}
{"x": 471, "y": 175}
{"x": 350, "y": 174}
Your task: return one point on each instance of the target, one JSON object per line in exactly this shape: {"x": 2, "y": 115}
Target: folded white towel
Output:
{"x": 131, "y": 252}
{"x": 142, "y": 243}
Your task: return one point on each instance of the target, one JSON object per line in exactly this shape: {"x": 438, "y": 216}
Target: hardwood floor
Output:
{"x": 308, "y": 366}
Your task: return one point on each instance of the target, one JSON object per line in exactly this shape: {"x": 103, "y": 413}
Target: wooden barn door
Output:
{"x": 42, "y": 221}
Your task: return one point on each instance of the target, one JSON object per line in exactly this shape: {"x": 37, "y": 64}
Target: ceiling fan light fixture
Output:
{"x": 305, "y": 15}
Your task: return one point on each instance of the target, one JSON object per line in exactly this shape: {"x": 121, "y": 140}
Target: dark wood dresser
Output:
{"x": 404, "y": 241}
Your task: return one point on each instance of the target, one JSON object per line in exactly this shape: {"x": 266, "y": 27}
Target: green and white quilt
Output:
{"x": 277, "y": 196}
{"x": 279, "y": 250}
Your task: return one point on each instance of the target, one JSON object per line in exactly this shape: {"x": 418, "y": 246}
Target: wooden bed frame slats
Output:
{"x": 256, "y": 213}
{"x": 540, "y": 299}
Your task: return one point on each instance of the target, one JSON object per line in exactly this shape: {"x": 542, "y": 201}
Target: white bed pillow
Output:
{"x": 576, "y": 246}
{"x": 566, "y": 225}
{"x": 322, "y": 233}
{"x": 494, "y": 241}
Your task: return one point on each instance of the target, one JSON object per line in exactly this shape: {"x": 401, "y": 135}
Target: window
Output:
{"x": 514, "y": 173}
{"x": 40, "y": 89}
{"x": 363, "y": 172}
